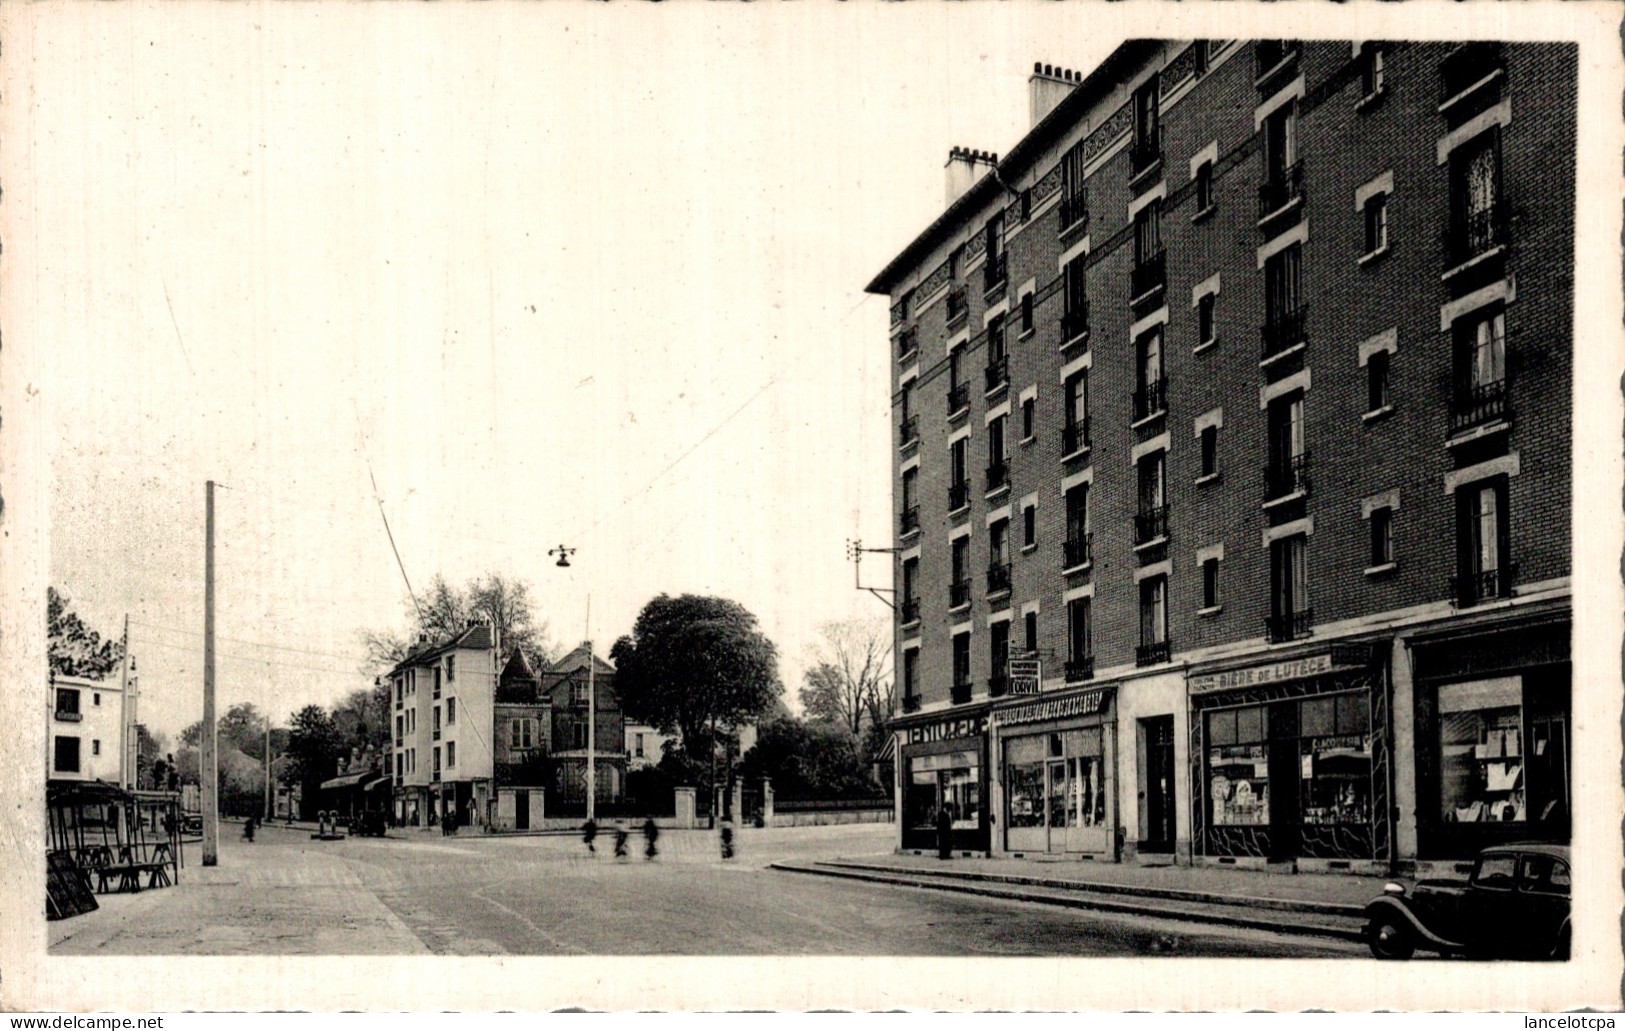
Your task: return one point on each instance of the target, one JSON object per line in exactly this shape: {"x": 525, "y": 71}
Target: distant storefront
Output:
{"x": 943, "y": 764}
{"x": 1057, "y": 756}
{"x": 1291, "y": 758}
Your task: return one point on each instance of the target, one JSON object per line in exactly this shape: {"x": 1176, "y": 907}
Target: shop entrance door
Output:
{"x": 1059, "y": 794}
{"x": 1286, "y": 771}
{"x": 1159, "y": 829}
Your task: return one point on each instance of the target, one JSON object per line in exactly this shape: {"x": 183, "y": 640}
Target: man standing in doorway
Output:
{"x": 945, "y": 832}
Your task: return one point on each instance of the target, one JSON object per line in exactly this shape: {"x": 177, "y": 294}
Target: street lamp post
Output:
{"x": 564, "y": 554}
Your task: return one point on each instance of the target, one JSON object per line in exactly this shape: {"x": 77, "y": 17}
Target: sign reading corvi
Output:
{"x": 946, "y": 730}
{"x": 1294, "y": 669}
{"x": 1026, "y": 675}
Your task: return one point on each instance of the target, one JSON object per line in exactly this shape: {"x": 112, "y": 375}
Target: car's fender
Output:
{"x": 1389, "y": 906}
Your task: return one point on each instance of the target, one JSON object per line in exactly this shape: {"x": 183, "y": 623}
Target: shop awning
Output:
{"x": 345, "y": 780}
{"x": 380, "y": 781}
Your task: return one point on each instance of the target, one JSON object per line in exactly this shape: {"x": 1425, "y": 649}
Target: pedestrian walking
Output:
{"x": 620, "y": 841}
{"x": 727, "y": 837}
{"x": 650, "y": 834}
{"x": 248, "y": 829}
{"x": 945, "y": 833}
{"x": 589, "y": 831}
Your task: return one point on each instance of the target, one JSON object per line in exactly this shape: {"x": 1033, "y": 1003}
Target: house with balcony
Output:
{"x": 85, "y": 722}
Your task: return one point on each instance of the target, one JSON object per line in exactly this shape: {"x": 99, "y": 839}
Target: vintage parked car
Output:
{"x": 1515, "y": 904}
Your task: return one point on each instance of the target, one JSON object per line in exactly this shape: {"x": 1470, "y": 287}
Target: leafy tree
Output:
{"x": 363, "y": 718}
{"x": 850, "y": 674}
{"x": 242, "y": 728}
{"x": 446, "y": 610}
{"x": 808, "y": 761}
{"x": 314, "y": 747}
{"x": 75, "y": 649}
{"x": 694, "y": 665}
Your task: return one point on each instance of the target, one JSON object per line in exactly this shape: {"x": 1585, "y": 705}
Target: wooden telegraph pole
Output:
{"x": 208, "y": 761}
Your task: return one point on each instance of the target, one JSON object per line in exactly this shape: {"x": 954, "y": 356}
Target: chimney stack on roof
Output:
{"x": 965, "y": 166}
{"x": 1049, "y": 86}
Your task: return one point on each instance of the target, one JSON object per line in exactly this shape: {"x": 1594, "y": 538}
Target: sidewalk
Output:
{"x": 280, "y": 895}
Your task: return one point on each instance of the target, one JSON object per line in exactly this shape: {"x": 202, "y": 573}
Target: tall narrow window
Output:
{"x": 1075, "y": 432}
{"x": 1382, "y": 536}
{"x": 962, "y": 666}
{"x": 1281, "y": 151}
{"x": 1210, "y": 451}
{"x": 1028, "y": 414}
{"x": 1026, "y": 313}
{"x": 911, "y": 675}
{"x": 959, "y": 589}
{"x": 1147, "y": 146}
{"x": 1205, "y": 331}
{"x": 1482, "y": 549}
{"x": 998, "y": 470}
{"x": 1153, "y": 621}
{"x": 1029, "y": 626}
{"x": 1481, "y": 369}
{"x": 1210, "y": 583}
{"x": 993, "y": 272}
{"x": 1288, "y": 452}
{"x": 998, "y": 655}
{"x": 998, "y": 557}
{"x": 1204, "y": 187}
{"x": 1290, "y": 613}
{"x": 1283, "y": 301}
{"x": 1074, "y": 192}
{"x": 1151, "y": 522}
{"x": 911, "y": 590}
{"x": 1148, "y": 234}
{"x": 1029, "y": 525}
{"x": 1075, "y": 293}
{"x": 1150, "y": 393}
{"x": 911, "y": 503}
{"x": 1077, "y": 526}
{"x": 1475, "y": 195}
{"x": 1371, "y": 70}
{"x": 1080, "y": 635}
{"x": 998, "y": 362}
{"x": 1376, "y": 223}
{"x": 1376, "y": 381}
{"x": 959, "y": 474}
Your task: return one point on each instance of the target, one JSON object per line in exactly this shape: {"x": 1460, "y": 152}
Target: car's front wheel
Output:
{"x": 1389, "y": 938}
{"x": 1560, "y": 948}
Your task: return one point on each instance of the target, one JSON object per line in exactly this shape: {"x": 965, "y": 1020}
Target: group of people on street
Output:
{"x": 651, "y": 834}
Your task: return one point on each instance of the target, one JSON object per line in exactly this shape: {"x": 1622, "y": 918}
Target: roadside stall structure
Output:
{"x": 114, "y": 839}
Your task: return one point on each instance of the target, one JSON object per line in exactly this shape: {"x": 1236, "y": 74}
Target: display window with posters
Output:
{"x": 1056, "y": 792}
{"x": 944, "y": 775}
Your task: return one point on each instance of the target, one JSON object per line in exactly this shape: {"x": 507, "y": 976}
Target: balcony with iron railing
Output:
{"x": 908, "y": 431}
{"x": 998, "y": 372}
{"x": 998, "y": 578}
{"x": 958, "y": 398}
{"x": 958, "y": 496}
{"x": 958, "y": 307}
{"x": 1289, "y": 626}
{"x": 1473, "y": 234}
{"x": 908, "y": 610}
{"x": 1467, "y": 67}
{"x": 1280, "y": 191}
{"x": 1286, "y": 475}
{"x": 1271, "y": 59}
{"x": 998, "y": 685}
{"x": 1080, "y": 669}
{"x": 1150, "y": 524}
{"x": 1077, "y": 551}
{"x": 959, "y": 593}
{"x": 908, "y": 341}
{"x": 998, "y": 476}
{"x": 1484, "y": 585}
{"x": 1282, "y": 331}
{"x": 1153, "y": 653}
{"x": 960, "y": 692}
{"x": 1145, "y": 152}
{"x": 1148, "y": 276}
{"x": 909, "y": 521}
{"x": 1075, "y": 326}
{"x": 1075, "y": 437}
{"x": 1074, "y": 211}
{"x": 1150, "y": 398}
{"x": 67, "y": 716}
{"x": 1478, "y": 404}
{"x": 911, "y": 703}
{"x": 995, "y": 272}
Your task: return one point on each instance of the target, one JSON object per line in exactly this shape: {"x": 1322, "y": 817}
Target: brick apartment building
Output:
{"x": 1232, "y": 428}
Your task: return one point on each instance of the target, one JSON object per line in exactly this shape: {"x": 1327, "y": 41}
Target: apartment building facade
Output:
{"x": 85, "y": 730}
{"x": 1232, "y": 478}
{"x": 443, "y": 726}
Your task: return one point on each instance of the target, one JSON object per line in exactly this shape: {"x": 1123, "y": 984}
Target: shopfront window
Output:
{"x": 952, "y": 780}
{"x": 1056, "y": 780}
{"x": 1238, "y": 767}
{"x": 1335, "y": 759}
{"x": 1481, "y": 752}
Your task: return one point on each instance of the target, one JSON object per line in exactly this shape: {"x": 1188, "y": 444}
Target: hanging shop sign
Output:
{"x": 1085, "y": 704}
{"x": 1293, "y": 669}
{"x": 1026, "y": 675}
{"x": 947, "y": 730}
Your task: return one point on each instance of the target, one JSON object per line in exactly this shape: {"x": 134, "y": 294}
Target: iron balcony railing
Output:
{"x": 909, "y": 609}
{"x": 908, "y": 341}
{"x": 961, "y": 692}
{"x": 1075, "y": 211}
{"x": 1075, "y": 326}
{"x": 958, "y": 496}
{"x": 911, "y": 703}
{"x": 1150, "y": 399}
{"x": 957, "y": 307}
{"x": 958, "y": 398}
{"x": 910, "y": 519}
{"x": 1283, "y": 331}
{"x": 1075, "y": 436}
{"x": 69, "y": 717}
{"x": 1476, "y": 232}
{"x": 998, "y": 475}
{"x": 1077, "y": 551}
{"x": 959, "y": 593}
{"x": 1145, "y": 151}
{"x": 998, "y": 372}
{"x": 1484, "y": 585}
{"x": 1150, "y": 524}
{"x": 909, "y": 429}
{"x": 1153, "y": 653}
{"x": 995, "y": 272}
{"x": 1079, "y": 669}
{"x": 1149, "y": 275}
{"x": 1475, "y": 404}
{"x": 998, "y": 686}
{"x": 1281, "y": 189}
{"x": 998, "y": 577}
{"x": 1468, "y": 65}
{"x": 1286, "y": 475}
{"x": 1289, "y": 626}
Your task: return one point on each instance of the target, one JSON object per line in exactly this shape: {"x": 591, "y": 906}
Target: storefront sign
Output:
{"x": 947, "y": 730}
{"x": 1252, "y": 676}
{"x": 1053, "y": 709}
{"x": 1026, "y": 675}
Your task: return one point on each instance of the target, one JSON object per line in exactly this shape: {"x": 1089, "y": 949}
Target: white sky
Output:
{"x": 521, "y": 258}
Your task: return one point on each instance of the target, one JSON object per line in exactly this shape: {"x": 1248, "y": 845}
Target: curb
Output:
{"x": 1109, "y": 888}
{"x": 906, "y": 879}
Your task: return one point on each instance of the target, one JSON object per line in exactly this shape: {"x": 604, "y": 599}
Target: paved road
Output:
{"x": 546, "y": 895}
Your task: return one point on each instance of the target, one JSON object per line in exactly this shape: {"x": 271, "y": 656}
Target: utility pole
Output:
{"x": 126, "y": 764}
{"x": 207, "y": 767}
{"x": 268, "y": 813}
{"x": 592, "y": 714}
